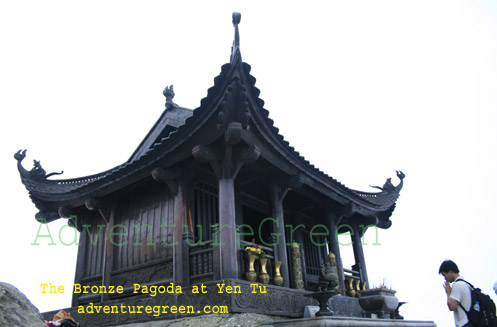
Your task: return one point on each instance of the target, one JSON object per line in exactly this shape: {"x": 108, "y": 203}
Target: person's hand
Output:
{"x": 447, "y": 288}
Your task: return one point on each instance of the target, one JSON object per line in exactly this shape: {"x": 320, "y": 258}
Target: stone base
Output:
{"x": 347, "y": 322}
{"x": 229, "y": 320}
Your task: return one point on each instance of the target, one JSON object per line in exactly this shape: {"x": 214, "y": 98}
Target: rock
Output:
{"x": 16, "y": 309}
{"x": 220, "y": 320}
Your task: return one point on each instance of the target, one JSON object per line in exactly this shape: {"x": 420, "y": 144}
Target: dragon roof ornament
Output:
{"x": 169, "y": 94}
{"x": 388, "y": 186}
{"x": 36, "y": 172}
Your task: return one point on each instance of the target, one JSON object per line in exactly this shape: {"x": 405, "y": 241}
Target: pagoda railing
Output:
{"x": 201, "y": 262}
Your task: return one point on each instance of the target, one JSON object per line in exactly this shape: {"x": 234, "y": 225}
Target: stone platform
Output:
{"x": 347, "y": 322}
{"x": 257, "y": 320}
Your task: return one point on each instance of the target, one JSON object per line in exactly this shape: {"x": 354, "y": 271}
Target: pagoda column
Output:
{"x": 332, "y": 221}
{"x": 180, "y": 276}
{"x": 277, "y": 196}
{"x": 279, "y": 190}
{"x": 359, "y": 252}
{"x": 226, "y": 164}
{"x": 178, "y": 186}
{"x": 80, "y": 266}
{"x": 108, "y": 260}
{"x": 227, "y": 227}
{"x": 107, "y": 213}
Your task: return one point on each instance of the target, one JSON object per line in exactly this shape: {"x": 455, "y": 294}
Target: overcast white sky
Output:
{"x": 360, "y": 88}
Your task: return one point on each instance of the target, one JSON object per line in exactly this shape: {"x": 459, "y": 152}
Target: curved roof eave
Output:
{"x": 66, "y": 190}
{"x": 372, "y": 202}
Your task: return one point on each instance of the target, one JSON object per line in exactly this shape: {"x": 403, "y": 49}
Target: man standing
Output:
{"x": 458, "y": 293}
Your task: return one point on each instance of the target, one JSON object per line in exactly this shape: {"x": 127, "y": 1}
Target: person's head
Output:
{"x": 449, "y": 270}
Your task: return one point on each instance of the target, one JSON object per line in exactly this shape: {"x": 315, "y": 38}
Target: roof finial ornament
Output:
{"x": 37, "y": 171}
{"x": 236, "y": 43}
{"x": 169, "y": 94}
{"x": 388, "y": 186}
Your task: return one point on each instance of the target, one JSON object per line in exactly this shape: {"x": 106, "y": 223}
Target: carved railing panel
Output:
{"x": 157, "y": 272}
{"x": 201, "y": 262}
{"x": 312, "y": 254}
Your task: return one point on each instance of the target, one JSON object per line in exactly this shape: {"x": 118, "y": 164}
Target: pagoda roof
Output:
{"x": 172, "y": 138}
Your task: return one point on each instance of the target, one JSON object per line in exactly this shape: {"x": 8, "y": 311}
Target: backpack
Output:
{"x": 482, "y": 309}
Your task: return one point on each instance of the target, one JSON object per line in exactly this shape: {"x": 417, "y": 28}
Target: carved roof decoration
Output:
{"x": 235, "y": 49}
{"x": 234, "y": 107}
{"x": 172, "y": 117}
{"x": 233, "y": 99}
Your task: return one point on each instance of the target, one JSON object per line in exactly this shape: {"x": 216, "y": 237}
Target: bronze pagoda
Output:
{"x": 201, "y": 186}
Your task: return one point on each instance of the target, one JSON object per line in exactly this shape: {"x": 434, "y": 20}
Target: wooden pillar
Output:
{"x": 332, "y": 221}
{"x": 358, "y": 252}
{"x": 180, "y": 276}
{"x": 277, "y": 197}
{"x": 178, "y": 187}
{"x": 226, "y": 165}
{"x": 227, "y": 227}
{"x": 107, "y": 213}
{"x": 186, "y": 239}
{"x": 108, "y": 254}
{"x": 80, "y": 266}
